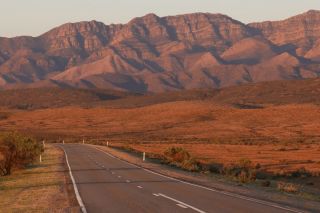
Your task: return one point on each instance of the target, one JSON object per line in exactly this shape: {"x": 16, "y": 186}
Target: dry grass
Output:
{"x": 267, "y": 156}
{"x": 41, "y": 188}
{"x": 187, "y": 121}
{"x": 288, "y": 187}
{"x": 280, "y": 138}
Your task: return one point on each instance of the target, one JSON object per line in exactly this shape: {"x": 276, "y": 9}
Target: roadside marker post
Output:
{"x": 144, "y": 156}
{"x": 40, "y": 159}
{"x": 63, "y": 142}
{"x": 83, "y": 141}
{"x": 107, "y": 143}
{"x": 43, "y": 143}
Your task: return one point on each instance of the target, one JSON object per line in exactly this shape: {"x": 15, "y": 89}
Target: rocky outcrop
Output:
{"x": 156, "y": 54}
{"x": 299, "y": 31}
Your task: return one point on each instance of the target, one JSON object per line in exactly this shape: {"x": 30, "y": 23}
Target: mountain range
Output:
{"x": 157, "y": 54}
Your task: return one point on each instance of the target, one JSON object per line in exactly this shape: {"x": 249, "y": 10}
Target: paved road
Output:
{"x": 107, "y": 184}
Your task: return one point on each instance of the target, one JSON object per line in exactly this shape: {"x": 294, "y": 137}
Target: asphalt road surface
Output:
{"x": 107, "y": 184}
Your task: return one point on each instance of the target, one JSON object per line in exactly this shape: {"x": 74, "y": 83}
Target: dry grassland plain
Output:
{"x": 280, "y": 138}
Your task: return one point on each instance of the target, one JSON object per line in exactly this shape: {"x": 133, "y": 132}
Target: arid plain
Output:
{"x": 215, "y": 126}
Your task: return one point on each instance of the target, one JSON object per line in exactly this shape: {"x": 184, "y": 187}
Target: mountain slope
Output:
{"x": 156, "y": 54}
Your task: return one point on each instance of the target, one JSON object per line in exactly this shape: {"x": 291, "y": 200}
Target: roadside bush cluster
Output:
{"x": 244, "y": 171}
{"x": 299, "y": 173}
{"x": 180, "y": 157}
{"x": 17, "y": 151}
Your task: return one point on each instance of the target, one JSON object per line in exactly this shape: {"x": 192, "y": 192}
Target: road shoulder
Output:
{"x": 42, "y": 187}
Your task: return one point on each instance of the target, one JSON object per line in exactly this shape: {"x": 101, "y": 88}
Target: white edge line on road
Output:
{"x": 182, "y": 206}
{"x": 254, "y": 200}
{"x": 182, "y": 203}
{"x": 83, "y": 208}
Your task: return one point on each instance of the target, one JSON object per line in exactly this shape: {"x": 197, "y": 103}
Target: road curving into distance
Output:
{"x": 104, "y": 183}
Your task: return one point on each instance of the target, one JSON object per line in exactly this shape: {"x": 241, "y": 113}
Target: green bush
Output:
{"x": 17, "y": 151}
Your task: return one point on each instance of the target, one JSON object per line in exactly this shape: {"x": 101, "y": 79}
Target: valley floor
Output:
{"x": 282, "y": 138}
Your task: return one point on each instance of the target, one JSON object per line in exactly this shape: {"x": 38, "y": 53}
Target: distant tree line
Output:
{"x": 17, "y": 151}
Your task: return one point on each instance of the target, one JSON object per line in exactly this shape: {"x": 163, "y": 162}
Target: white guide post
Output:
{"x": 107, "y": 143}
{"x": 63, "y": 141}
{"x": 144, "y": 156}
{"x": 40, "y": 159}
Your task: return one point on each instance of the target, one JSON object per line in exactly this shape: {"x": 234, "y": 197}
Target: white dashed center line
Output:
{"x": 180, "y": 202}
{"x": 140, "y": 187}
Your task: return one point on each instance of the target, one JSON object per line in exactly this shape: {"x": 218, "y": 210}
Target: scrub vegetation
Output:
{"x": 17, "y": 151}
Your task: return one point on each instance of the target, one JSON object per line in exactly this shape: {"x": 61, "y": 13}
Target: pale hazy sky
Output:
{"x": 34, "y": 17}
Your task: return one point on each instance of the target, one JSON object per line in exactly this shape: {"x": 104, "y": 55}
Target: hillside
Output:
{"x": 249, "y": 96}
{"x": 158, "y": 54}
{"x": 35, "y": 98}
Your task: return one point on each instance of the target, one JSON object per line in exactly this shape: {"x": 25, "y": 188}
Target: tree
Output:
{"x": 17, "y": 150}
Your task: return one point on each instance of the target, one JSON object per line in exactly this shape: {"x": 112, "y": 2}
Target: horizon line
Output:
{"x": 181, "y": 14}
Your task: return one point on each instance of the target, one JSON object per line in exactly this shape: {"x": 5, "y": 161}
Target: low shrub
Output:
{"x": 244, "y": 171}
{"x": 215, "y": 168}
{"x": 302, "y": 172}
{"x": 180, "y": 157}
{"x": 288, "y": 187}
{"x": 177, "y": 154}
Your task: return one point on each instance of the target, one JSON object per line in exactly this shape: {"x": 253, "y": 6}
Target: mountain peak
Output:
{"x": 153, "y": 53}
{"x": 300, "y": 30}
{"x": 72, "y": 28}
{"x": 313, "y": 12}
{"x": 151, "y": 17}
{"x": 308, "y": 16}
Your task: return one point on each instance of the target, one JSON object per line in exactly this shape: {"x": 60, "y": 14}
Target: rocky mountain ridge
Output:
{"x": 156, "y": 54}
